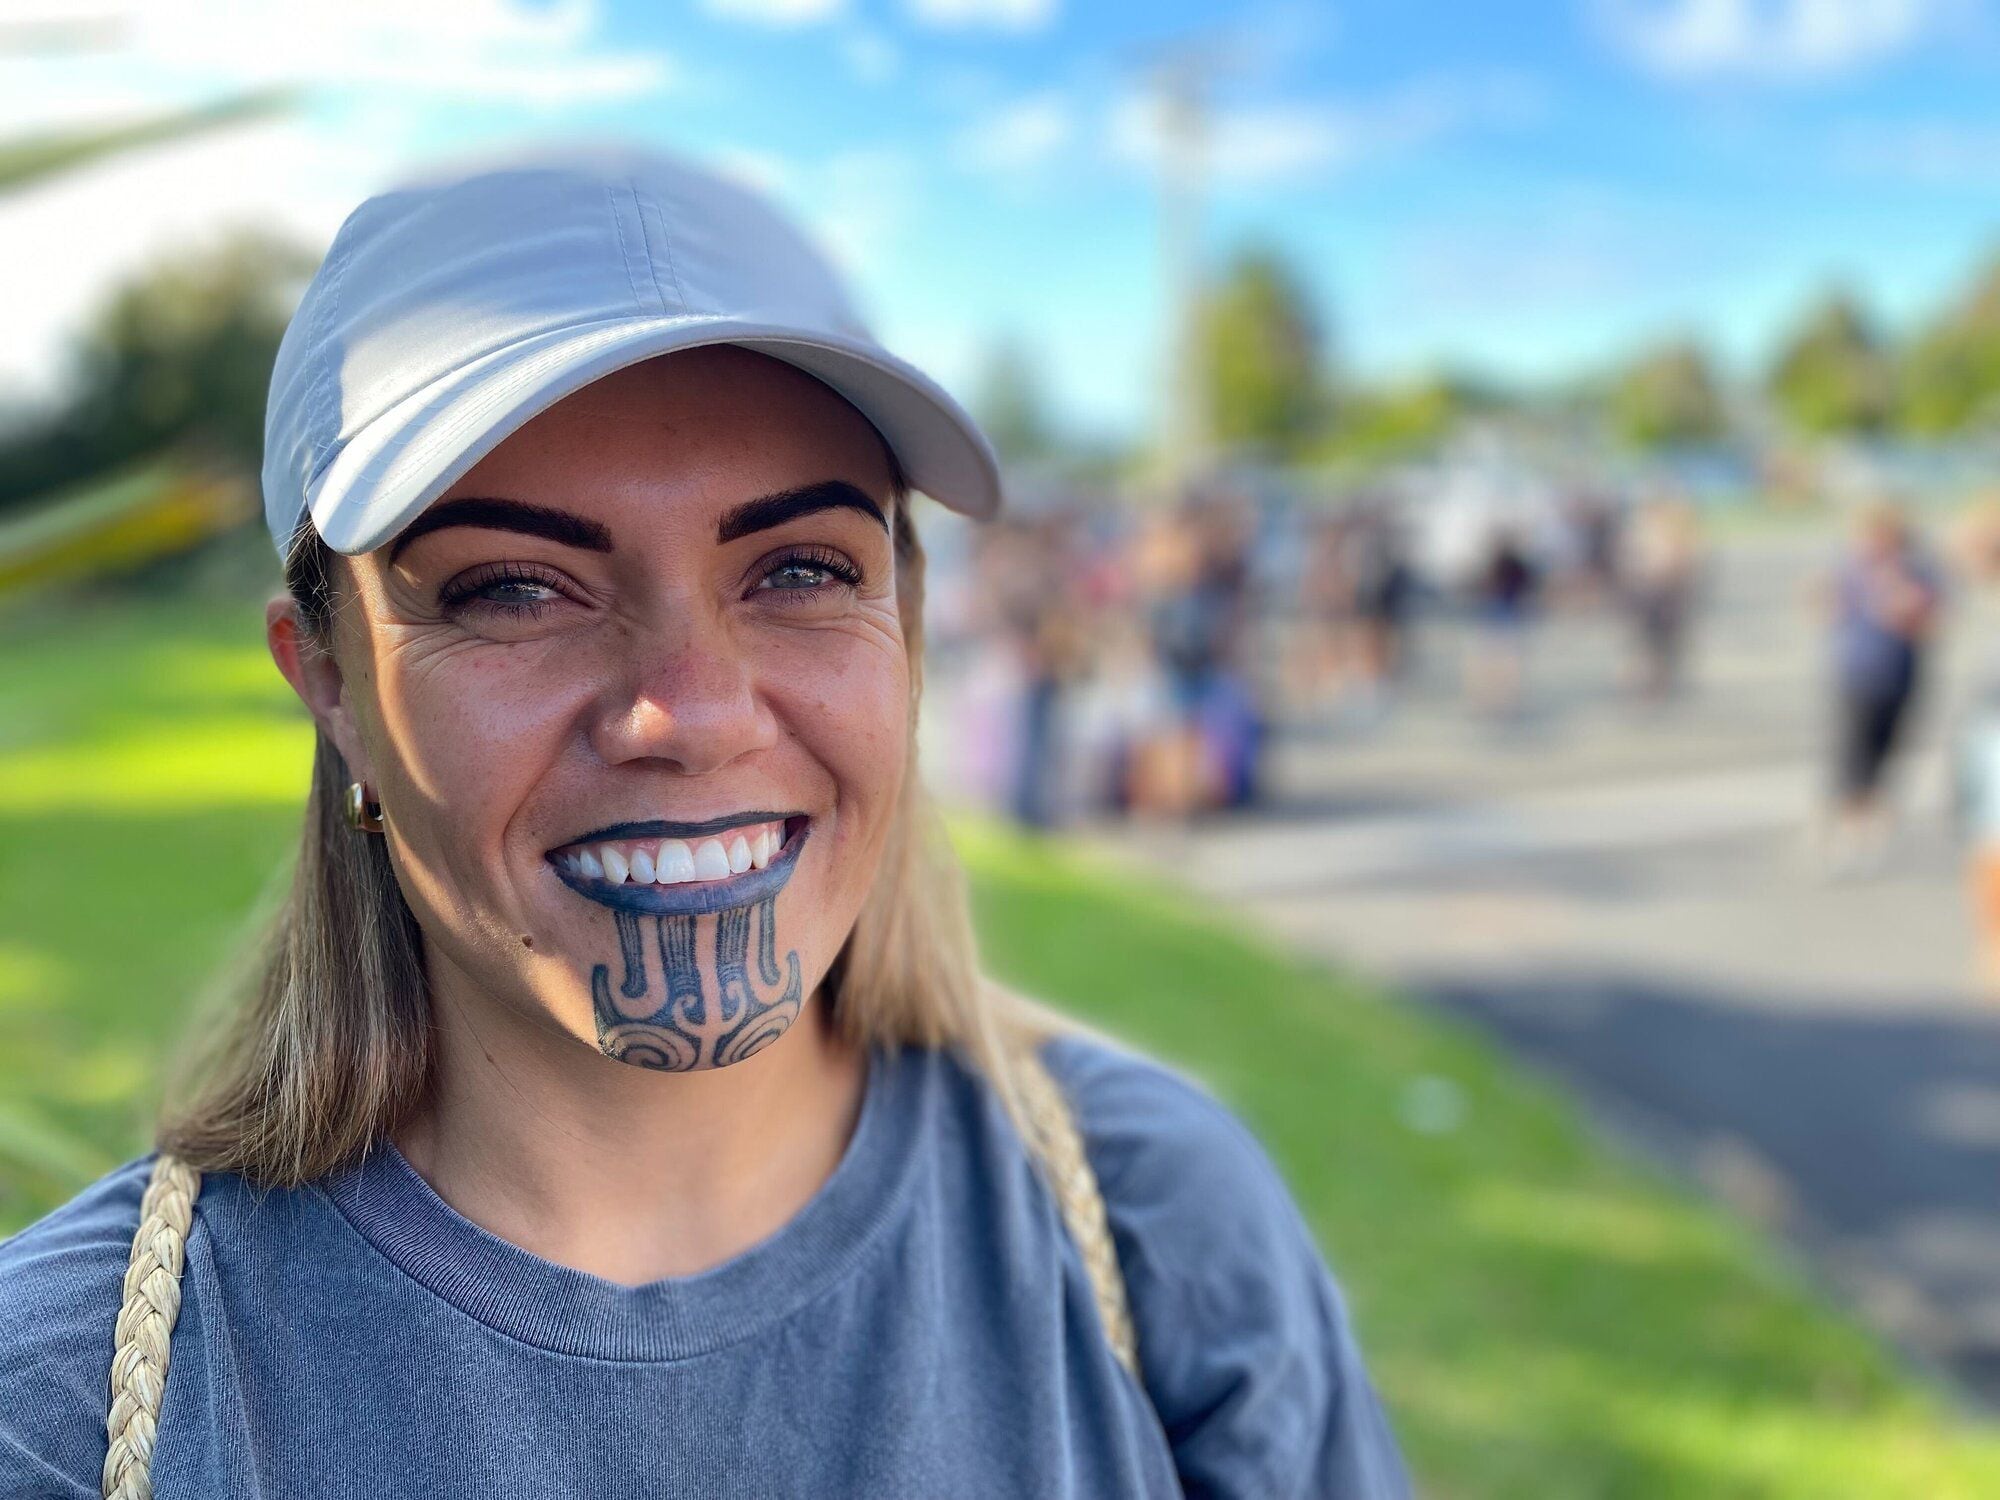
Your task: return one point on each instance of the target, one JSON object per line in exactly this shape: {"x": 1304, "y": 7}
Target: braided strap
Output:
{"x": 1060, "y": 1148}
{"x": 144, "y": 1336}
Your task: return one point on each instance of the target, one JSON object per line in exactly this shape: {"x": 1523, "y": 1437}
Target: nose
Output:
{"x": 687, "y": 698}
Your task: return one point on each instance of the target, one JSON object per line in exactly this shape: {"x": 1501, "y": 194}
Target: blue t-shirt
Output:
{"x": 922, "y": 1328}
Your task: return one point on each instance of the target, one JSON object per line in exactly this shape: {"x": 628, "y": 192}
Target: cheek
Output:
{"x": 852, "y": 716}
{"x": 471, "y": 730}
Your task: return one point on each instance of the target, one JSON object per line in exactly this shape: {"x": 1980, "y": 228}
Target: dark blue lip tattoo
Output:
{"x": 692, "y": 897}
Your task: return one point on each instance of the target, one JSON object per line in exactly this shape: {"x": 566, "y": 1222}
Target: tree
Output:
{"x": 1404, "y": 418}
{"x": 1831, "y": 376}
{"x": 1262, "y": 357}
{"x": 182, "y": 354}
{"x": 1951, "y": 375}
{"x": 1666, "y": 397}
{"x": 1011, "y": 406}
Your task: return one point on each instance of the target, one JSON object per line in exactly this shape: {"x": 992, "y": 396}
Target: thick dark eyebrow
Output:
{"x": 767, "y": 511}
{"x": 507, "y": 515}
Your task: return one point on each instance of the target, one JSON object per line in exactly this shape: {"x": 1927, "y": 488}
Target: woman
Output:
{"x": 620, "y": 1110}
{"x": 1885, "y": 597}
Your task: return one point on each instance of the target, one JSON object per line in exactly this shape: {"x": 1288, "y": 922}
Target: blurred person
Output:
{"x": 1382, "y": 587}
{"x": 1317, "y": 660}
{"x": 617, "y": 1106}
{"x": 1204, "y": 757}
{"x": 1976, "y": 800}
{"x": 1592, "y": 545}
{"x": 1503, "y": 601}
{"x": 1053, "y": 645}
{"x": 1658, "y": 572}
{"x": 1975, "y": 539}
{"x": 1165, "y": 766}
{"x": 1882, "y": 602}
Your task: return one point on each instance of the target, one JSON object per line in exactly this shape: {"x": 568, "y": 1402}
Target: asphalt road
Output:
{"x": 1625, "y": 896}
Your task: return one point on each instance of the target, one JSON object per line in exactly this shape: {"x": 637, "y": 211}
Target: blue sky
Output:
{"x": 1526, "y": 190}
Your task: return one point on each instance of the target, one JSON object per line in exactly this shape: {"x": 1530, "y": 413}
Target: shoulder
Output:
{"x": 1181, "y": 1174}
{"x": 61, "y": 1281}
{"x": 1244, "y": 1336}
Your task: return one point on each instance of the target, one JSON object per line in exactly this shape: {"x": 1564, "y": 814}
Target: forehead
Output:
{"x": 704, "y": 427}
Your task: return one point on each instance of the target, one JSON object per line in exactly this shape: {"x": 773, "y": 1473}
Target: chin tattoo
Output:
{"x": 666, "y": 1025}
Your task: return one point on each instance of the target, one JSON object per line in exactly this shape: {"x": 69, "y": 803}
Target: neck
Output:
{"x": 625, "y": 1173}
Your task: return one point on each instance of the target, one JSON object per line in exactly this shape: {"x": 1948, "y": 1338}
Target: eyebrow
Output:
{"x": 507, "y": 515}
{"x": 573, "y": 530}
{"x": 774, "y": 510}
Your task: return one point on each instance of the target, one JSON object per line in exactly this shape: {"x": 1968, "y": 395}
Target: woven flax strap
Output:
{"x": 1060, "y": 1147}
{"x": 145, "y": 1331}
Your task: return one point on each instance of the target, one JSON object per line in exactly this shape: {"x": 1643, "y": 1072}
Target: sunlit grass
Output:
{"x": 1547, "y": 1320}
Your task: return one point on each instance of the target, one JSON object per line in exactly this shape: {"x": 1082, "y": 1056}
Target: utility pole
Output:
{"x": 1181, "y": 82}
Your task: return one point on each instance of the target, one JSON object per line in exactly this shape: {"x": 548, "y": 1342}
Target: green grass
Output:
{"x": 1546, "y": 1319}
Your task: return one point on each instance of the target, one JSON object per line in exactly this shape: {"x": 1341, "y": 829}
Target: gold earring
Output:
{"x": 363, "y": 812}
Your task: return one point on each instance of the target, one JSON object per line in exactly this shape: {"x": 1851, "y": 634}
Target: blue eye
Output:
{"x": 809, "y": 571}
{"x": 798, "y": 575}
{"x": 502, "y": 590}
{"x": 513, "y": 593}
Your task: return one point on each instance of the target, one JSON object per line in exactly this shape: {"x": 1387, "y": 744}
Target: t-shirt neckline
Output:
{"x": 567, "y": 1311}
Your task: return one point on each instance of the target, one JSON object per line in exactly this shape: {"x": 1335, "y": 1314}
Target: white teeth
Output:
{"x": 674, "y": 861}
{"x": 673, "y": 864}
{"x": 710, "y": 862}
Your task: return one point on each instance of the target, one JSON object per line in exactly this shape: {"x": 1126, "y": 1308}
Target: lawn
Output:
{"x": 1545, "y": 1318}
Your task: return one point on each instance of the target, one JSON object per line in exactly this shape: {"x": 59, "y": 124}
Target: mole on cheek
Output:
{"x": 526, "y": 941}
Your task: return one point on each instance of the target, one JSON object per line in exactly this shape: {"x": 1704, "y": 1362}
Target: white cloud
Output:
{"x": 858, "y": 203}
{"x": 1019, "y": 137}
{"x": 373, "y": 69}
{"x": 74, "y": 237}
{"x": 1264, "y": 143}
{"x": 1005, "y": 15}
{"x": 1936, "y": 153}
{"x": 1696, "y": 39}
{"x": 170, "y": 52}
{"x": 758, "y": 170}
{"x": 777, "y": 13}
{"x": 870, "y": 56}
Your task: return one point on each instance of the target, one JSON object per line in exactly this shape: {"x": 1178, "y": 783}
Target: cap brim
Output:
{"x": 394, "y": 467}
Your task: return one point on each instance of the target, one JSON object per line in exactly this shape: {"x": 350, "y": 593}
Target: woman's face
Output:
{"x": 634, "y": 697}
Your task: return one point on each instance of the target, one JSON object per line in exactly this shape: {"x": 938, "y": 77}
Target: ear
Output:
{"x": 315, "y": 676}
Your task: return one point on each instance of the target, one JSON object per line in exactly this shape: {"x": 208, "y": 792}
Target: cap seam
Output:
{"x": 644, "y": 202}
{"x": 646, "y": 251}
{"x": 625, "y": 255}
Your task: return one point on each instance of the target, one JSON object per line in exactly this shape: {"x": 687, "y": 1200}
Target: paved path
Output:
{"x": 1623, "y": 896}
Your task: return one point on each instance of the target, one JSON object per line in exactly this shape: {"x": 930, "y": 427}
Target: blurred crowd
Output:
{"x": 1111, "y": 661}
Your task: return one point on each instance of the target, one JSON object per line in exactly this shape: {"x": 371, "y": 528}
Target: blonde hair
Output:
{"x": 327, "y": 1043}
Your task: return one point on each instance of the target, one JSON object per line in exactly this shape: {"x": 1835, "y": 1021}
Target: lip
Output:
{"x": 691, "y": 898}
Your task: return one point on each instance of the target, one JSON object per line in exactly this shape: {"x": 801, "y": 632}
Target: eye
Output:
{"x": 810, "y": 570}
{"x": 506, "y": 589}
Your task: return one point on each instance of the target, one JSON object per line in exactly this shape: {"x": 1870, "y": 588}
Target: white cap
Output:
{"x": 452, "y": 309}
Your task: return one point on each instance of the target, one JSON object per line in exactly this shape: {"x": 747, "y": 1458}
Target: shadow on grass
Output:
{"x": 1545, "y": 1318}
{"x": 1871, "y": 1138}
